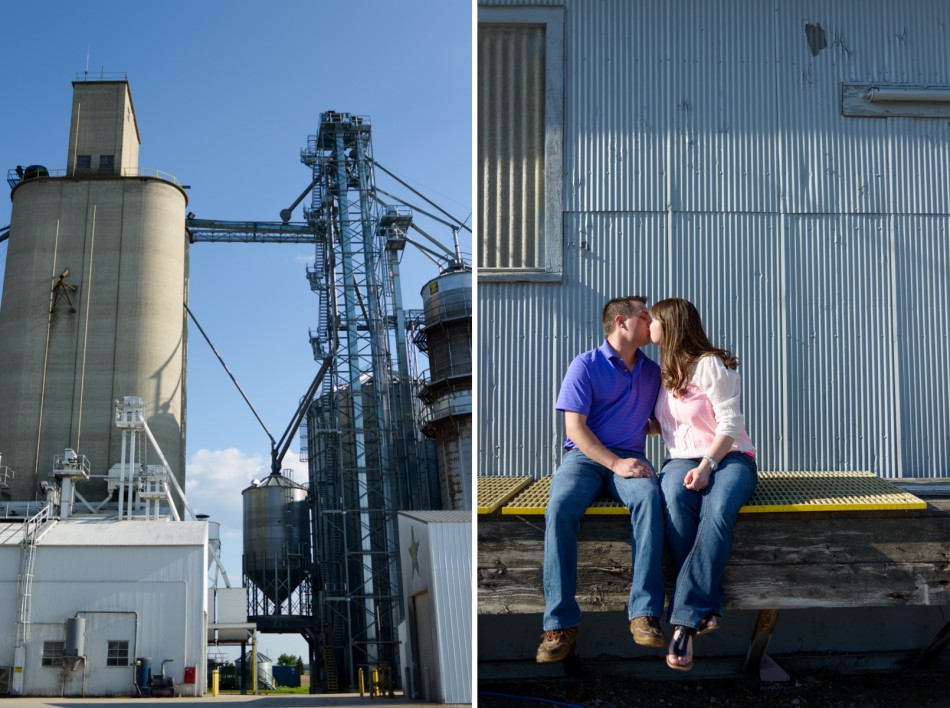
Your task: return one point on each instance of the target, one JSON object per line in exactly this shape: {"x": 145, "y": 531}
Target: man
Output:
{"x": 607, "y": 398}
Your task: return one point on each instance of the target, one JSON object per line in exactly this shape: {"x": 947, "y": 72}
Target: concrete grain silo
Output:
{"x": 93, "y": 300}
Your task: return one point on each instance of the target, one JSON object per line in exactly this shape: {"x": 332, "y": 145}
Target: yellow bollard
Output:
{"x": 362, "y": 680}
{"x": 215, "y": 681}
{"x": 375, "y": 691}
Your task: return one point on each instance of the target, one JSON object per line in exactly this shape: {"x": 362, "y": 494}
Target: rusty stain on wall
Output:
{"x": 815, "y": 34}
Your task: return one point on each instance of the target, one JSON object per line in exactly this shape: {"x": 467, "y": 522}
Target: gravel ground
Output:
{"x": 888, "y": 690}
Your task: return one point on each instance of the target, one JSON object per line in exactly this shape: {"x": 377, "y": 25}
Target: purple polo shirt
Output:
{"x": 617, "y": 402}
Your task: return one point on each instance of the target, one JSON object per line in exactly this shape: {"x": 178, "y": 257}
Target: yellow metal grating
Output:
{"x": 776, "y": 492}
{"x": 828, "y": 491}
{"x": 495, "y": 491}
{"x": 532, "y": 500}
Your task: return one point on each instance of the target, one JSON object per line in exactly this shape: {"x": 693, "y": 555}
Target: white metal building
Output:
{"x": 436, "y": 553}
{"x": 138, "y": 585}
{"x": 784, "y": 164}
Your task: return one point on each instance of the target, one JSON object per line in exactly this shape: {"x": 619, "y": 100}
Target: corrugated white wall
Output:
{"x": 451, "y": 548}
{"x": 705, "y": 156}
{"x": 436, "y": 559}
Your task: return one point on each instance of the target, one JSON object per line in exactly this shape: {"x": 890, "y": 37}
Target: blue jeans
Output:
{"x": 699, "y": 529}
{"x": 577, "y": 483}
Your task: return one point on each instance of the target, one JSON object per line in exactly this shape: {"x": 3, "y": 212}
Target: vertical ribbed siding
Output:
{"x": 835, "y": 164}
{"x": 518, "y": 378}
{"x": 722, "y": 148}
{"x": 920, "y": 163}
{"x": 730, "y": 267}
{"x": 842, "y": 411}
{"x": 451, "y": 547}
{"x": 920, "y": 316}
{"x": 511, "y": 145}
{"x": 617, "y": 53}
{"x": 705, "y": 156}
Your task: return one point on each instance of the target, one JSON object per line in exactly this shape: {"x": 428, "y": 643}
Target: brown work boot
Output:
{"x": 556, "y": 645}
{"x": 646, "y": 631}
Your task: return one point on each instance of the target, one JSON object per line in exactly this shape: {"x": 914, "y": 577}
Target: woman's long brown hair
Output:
{"x": 683, "y": 342}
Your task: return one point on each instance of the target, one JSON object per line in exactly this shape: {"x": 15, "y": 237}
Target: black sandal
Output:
{"x": 680, "y": 646}
{"x": 707, "y": 625}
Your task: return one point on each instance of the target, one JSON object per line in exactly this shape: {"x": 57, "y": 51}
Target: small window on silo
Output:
{"x": 118, "y": 653}
{"x": 83, "y": 162}
{"x": 106, "y": 164}
{"x": 53, "y": 653}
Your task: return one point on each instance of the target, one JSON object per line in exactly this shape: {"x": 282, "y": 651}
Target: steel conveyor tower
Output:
{"x": 366, "y": 459}
{"x": 359, "y": 469}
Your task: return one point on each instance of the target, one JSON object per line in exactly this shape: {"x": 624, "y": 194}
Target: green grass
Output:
{"x": 264, "y": 692}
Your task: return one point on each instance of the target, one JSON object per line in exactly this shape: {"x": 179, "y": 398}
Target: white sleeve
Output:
{"x": 724, "y": 388}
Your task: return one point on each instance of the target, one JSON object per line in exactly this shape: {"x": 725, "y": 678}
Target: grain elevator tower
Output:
{"x": 93, "y": 300}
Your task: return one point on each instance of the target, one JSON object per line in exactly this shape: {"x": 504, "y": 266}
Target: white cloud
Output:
{"x": 215, "y": 479}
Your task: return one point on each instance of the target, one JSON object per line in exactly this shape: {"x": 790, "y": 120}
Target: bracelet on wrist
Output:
{"x": 712, "y": 462}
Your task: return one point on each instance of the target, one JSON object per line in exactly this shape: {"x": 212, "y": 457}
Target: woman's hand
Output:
{"x": 697, "y": 478}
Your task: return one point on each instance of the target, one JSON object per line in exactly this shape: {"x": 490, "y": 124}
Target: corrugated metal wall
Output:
{"x": 451, "y": 545}
{"x": 437, "y": 571}
{"x": 705, "y": 156}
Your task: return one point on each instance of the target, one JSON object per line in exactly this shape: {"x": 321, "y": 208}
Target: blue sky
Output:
{"x": 226, "y": 93}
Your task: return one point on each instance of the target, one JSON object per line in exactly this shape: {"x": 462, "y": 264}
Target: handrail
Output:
{"x": 102, "y": 76}
{"x": 13, "y": 179}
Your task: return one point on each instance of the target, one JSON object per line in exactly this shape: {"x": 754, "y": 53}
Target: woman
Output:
{"x": 710, "y": 471}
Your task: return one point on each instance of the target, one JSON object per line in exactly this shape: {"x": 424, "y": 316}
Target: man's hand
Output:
{"x": 697, "y": 478}
{"x": 630, "y": 467}
{"x": 577, "y": 430}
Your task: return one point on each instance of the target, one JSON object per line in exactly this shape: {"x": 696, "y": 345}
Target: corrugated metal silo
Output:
{"x": 276, "y": 536}
{"x": 447, "y": 302}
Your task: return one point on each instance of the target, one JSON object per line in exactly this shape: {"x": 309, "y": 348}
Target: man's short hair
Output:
{"x": 623, "y": 306}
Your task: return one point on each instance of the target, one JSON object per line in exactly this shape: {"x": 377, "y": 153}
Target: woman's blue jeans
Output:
{"x": 577, "y": 483}
{"x": 699, "y": 528}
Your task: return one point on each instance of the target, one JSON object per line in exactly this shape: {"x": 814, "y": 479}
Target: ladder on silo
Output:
{"x": 31, "y": 535}
{"x": 6, "y": 476}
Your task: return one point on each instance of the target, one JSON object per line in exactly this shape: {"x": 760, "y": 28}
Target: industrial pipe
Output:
{"x": 923, "y": 95}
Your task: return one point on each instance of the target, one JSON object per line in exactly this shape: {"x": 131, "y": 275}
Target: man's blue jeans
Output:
{"x": 699, "y": 529}
{"x": 577, "y": 483}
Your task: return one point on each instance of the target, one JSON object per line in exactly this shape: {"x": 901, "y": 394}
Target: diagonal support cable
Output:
{"x": 234, "y": 380}
{"x": 461, "y": 224}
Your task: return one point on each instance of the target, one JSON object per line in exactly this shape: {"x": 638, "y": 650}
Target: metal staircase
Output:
{"x": 31, "y": 534}
{"x": 329, "y": 661}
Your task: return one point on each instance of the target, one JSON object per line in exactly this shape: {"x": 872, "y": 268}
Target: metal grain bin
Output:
{"x": 276, "y": 536}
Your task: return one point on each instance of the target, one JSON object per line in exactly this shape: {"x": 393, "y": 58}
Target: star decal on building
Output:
{"x": 414, "y": 554}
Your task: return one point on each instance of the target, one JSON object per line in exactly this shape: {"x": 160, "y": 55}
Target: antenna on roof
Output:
{"x": 85, "y": 73}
